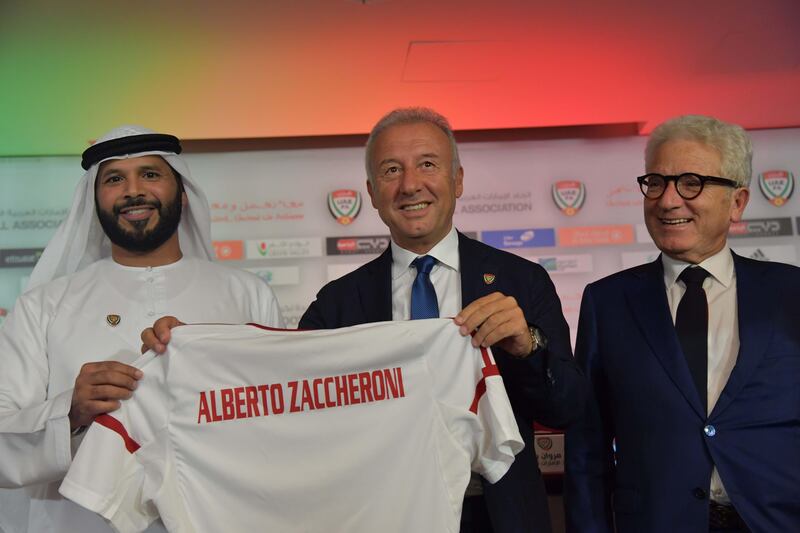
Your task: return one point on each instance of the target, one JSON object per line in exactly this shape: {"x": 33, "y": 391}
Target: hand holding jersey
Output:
{"x": 99, "y": 388}
{"x": 498, "y": 320}
{"x": 157, "y": 337}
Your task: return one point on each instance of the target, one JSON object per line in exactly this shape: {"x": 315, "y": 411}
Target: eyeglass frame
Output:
{"x": 703, "y": 180}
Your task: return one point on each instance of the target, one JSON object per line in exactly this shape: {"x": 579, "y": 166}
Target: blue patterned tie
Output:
{"x": 423, "y": 295}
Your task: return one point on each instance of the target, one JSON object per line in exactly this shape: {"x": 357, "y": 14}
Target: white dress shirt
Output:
{"x": 445, "y": 276}
{"x": 723, "y": 327}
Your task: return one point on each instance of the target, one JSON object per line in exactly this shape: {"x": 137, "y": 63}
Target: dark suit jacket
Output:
{"x": 546, "y": 387}
{"x": 644, "y": 397}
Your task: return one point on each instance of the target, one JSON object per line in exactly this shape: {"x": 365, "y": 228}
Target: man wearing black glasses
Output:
{"x": 694, "y": 361}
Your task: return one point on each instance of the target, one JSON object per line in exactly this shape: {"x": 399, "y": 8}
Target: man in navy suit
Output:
{"x": 693, "y": 421}
{"x": 414, "y": 178}
{"x": 509, "y": 303}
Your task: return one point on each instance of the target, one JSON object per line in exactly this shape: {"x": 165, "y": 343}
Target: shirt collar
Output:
{"x": 445, "y": 252}
{"x": 719, "y": 265}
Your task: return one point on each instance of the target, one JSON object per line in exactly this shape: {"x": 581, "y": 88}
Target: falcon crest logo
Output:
{"x": 113, "y": 320}
{"x": 569, "y": 196}
{"x": 776, "y": 186}
{"x": 344, "y": 205}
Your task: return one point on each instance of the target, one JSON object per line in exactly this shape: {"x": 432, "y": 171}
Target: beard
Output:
{"x": 139, "y": 239}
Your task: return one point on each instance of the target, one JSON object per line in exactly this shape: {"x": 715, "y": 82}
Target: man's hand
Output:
{"x": 157, "y": 337}
{"x": 99, "y": 388}
{"x": 499, "y": 321}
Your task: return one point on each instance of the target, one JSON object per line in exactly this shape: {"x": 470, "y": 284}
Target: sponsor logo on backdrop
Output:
{"x": 520, "y": 238}
{"x": 569, "y": 196}
{"x": 761, "y": 227}
{"x": 271, "y": 210}
{"x": 364, "y": 244}
{"x": 566, "y": 264}
{"x": 776, "y": 186}
{"x": 344, "y": 205}
{"x": 495, "y": 202}
{"x": 595, "y": 235}
{"x": 283, "y": 248}
{"x": 228, "y": 250}
{"x": 625, "y": 196}
{"x": 277, "y": 275}
{"x": 782, "y": 253}
{"x": 19, "y": 257}
{"x": 632, "y": 259}
{"x": 550, "y": 452}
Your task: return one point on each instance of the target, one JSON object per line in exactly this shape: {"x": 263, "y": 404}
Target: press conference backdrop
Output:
{"x": 572, "y": 205}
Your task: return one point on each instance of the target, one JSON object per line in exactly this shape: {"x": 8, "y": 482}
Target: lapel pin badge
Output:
{"x": 488, "y": 279}
{"x": 113, "y": 320}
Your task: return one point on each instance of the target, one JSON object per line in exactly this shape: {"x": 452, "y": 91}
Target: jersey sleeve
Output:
{"x": 116, "y": 471}
{"x": 474, "y": 403}
{"x": 34, "y": 429}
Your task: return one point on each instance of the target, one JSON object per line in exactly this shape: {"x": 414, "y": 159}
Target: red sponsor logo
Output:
{"x": 229, "y": 250}
{"x": 346, "y": 245}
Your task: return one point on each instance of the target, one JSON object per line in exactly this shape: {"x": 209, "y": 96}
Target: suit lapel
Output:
{"x": 755, "y": 327}
{"x": 647, "y": 298}
{"x": 474, "y": 263}
{"x": 375, "y": 292}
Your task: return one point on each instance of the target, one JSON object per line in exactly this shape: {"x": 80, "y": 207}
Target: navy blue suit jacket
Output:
{"x": 546, "y": 387}
{"x": 643, "y": 396}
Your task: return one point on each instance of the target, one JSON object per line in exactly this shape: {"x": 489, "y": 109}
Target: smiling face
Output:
{"x": 414, "y": 190}
{"x": 692, "y": 230}
{"x": 138, "y": 202}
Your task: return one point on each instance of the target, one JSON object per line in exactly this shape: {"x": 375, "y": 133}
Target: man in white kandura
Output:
{"x": 135, "y": 246}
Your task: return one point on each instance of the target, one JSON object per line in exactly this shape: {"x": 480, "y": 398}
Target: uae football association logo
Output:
{"x": 569, "y": 196}
{"x": 344, "y": 205}
{"x": 776, "y": 186}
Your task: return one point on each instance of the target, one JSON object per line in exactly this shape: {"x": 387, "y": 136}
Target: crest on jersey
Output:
{"x": 544, "y": 443}
{"x": 113, "y": 320}
{"x": 777, "y": 186}
{"x": 488, "y": 279}
{"x": 344, "y": 205}
{"x": 569, "y": 196}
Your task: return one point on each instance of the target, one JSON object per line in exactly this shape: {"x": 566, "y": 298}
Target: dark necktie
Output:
{"x": 691, "y": 323}
{"x": 423, "y": 295}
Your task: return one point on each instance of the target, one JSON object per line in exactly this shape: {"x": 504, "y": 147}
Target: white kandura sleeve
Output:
{"x": 112, "y": 472}
{"x": 34, "y": 429}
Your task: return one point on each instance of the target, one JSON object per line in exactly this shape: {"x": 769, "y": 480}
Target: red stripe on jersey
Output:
{"x": 480, "y": 390}
{"x": 115, "y": 425}
{"x": 489, "y": 369}
{"x": 269, "y": 328}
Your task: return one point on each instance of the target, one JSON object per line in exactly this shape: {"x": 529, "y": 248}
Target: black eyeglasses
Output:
{"x": 688, "y": 184}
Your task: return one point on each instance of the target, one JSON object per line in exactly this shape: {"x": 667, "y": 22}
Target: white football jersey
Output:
{"x": 241, "y": 428}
